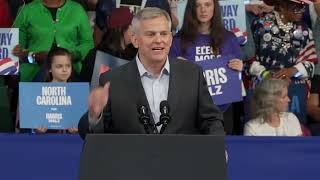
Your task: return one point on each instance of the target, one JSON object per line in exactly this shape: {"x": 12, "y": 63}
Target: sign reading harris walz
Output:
{"x": 52, "y": 105}
{"x": 9, "y": 38}
{"x": 224, "y": 84}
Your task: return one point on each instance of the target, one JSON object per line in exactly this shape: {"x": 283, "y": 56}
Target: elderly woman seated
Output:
{"x": 270, "y": 103}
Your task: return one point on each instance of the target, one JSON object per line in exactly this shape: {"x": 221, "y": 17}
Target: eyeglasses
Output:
{"x": 296, "y": 8}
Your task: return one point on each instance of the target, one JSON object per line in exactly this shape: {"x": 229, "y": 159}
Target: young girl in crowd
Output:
{"x": 59, "y": 66}
{"x": 270, "y": 103}
{"x": 58, "y": 69}
{"x": 203, "y": 28}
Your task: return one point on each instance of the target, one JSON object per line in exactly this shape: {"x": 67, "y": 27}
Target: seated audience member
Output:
{"x": 58, "y": 69}
{"x": 46, "y": 24}
{"x": 148, "y": 80}
{"x": 202, "y": 27}
{"x": 284, "y": 44}
{"x": 116, "y": 43}
{"x": 105, "y": 7}
{"x": 269, "y": 110}
{"x": 313, "y": 106}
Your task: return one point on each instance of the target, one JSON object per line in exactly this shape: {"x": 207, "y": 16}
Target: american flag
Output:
{"x": 308, "y": 53}
{"x": 241, "y": 36}
{"x": 8, "y": 67}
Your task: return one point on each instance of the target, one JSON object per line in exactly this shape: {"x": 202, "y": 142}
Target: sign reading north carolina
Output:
{"x": 52, "y": 105}
{"x": 223, "y": 83}
{"x": 9, "y": 38}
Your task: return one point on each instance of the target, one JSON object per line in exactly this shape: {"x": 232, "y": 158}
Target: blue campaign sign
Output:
{"x": 224, "y": 84}
{"x": 297, "y": 92}
{"x": 52, "y": 105}
{"x": 104, "y": 62}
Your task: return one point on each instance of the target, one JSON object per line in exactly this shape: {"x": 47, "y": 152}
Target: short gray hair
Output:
{"x": 265, "y": 96}
{"x": 149, "y": 13}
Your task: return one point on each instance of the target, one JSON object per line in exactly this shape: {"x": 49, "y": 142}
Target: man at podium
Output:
{"x": 152, "y": 94}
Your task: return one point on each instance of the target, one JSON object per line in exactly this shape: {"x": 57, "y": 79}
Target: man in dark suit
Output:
{"x": 148, "y": 80}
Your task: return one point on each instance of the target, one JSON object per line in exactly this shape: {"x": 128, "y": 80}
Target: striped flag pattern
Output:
{"x": 9, "y": 67}
{"x": 241, "y": 36}
{"x": 308, "y": 53}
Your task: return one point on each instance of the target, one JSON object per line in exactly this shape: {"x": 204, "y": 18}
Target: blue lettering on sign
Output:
{"x": 229, "y": 10}
{"x": 229, "y": 23}
{"x": 295, "y": 105}
{"x": 5, "y": 39}
{"x": 4, "y": 53}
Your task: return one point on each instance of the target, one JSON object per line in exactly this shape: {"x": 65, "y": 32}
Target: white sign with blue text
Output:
{"x": 9, "y": 38}
{"x": 52, "y": 105}
{"x": 233, "y": 14}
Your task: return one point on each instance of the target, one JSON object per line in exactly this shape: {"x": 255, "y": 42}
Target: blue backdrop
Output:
{"x": 38, "y": 157}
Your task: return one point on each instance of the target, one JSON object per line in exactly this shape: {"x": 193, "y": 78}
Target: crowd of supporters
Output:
{"x": 282, "y": 47}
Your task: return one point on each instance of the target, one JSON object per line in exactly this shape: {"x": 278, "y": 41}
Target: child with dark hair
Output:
{"x": 58, "y": 69}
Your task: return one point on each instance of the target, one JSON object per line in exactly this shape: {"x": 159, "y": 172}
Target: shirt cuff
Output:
{"x": 256, "y": 68}
{"x": 93, "y": 121}
{"x": 300, "y": 67}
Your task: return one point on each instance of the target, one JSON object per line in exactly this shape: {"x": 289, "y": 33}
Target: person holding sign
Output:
{"x": 130, "y": 102}
{"x": 203, "y": 39}
{"x": 270, "y": 103}
{"x": 284, "y": 44}
{"x": 58, "y": 69}
{"x": 45, "y": 24}
{"x": 117, "y": 42}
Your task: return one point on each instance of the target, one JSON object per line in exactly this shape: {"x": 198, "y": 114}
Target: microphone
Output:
{"x": 144, "y": 117}
{"x": 164, "y": 117}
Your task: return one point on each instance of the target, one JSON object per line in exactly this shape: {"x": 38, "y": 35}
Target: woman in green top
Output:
{"x": 44, "y": 24}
